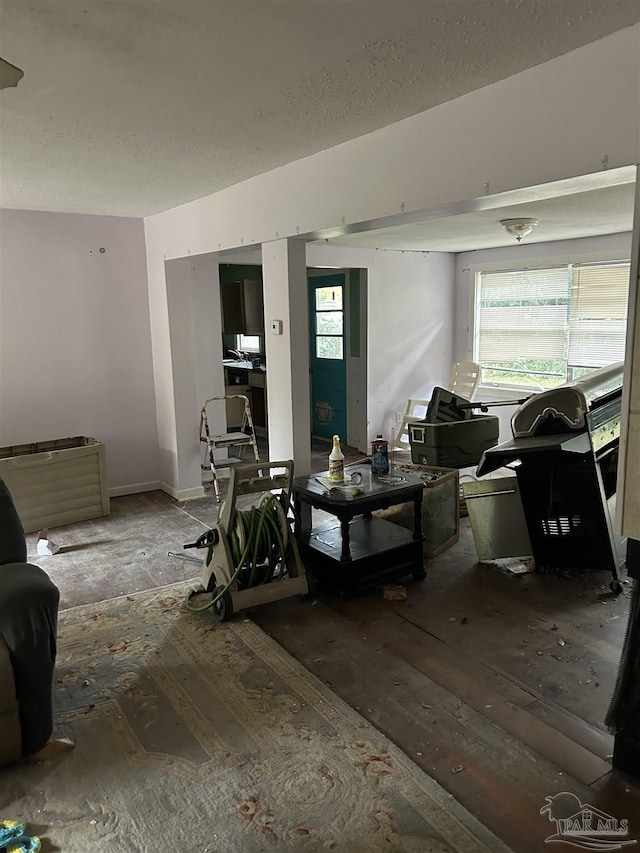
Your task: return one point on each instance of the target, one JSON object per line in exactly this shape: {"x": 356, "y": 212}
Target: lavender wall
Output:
{"x": 75, "y": 340}
{"x": 524, "y": 131}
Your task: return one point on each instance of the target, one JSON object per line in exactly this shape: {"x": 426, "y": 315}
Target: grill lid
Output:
{"x": 564, "y": 409}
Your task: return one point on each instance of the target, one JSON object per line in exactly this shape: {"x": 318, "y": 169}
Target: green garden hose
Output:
{"x": 264, "y": 543}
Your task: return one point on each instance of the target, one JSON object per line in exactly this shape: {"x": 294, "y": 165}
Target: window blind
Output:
{"x": 598, "y": 314}
{"x": 523, "y": 314}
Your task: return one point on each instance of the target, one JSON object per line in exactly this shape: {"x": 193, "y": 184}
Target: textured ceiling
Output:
{"x": 130, "y": 107}
{"x": 606, "y": 210}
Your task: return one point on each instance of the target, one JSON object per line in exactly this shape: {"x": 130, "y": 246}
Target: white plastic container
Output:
{"x": 56, "y": 482}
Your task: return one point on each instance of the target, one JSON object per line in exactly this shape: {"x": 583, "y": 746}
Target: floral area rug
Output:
{"x": 193, "y": 736}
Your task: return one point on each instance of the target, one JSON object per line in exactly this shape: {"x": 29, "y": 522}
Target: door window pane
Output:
{"x": 328, "y": 347}
{"x": 329, "y": 299}
{"x": 329, "y": 322}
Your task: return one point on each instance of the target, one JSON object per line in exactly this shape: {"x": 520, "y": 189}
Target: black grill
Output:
{"x": 566, "y": 448}
{"x": 562, "y": 526}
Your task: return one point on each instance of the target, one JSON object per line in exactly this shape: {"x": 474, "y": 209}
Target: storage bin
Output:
{"x": 56, "y": 482}
{"x": 440, "y": 508}
{"x": 453, "y": 445}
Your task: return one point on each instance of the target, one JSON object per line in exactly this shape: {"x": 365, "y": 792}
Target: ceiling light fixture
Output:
{"x": 9, "y": 74}
{"x": 519, "y": 228}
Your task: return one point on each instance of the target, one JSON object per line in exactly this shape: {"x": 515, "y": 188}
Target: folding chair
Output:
{"x": 465, "y": 376}
{"x": 416, "y": 411}
{"x": 464, "y": 379}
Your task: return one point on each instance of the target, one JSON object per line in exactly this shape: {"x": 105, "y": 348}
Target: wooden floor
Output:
{"x": 496, "y": 685}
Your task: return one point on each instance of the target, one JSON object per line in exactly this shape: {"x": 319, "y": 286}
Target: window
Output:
{"x": 329, "y": 323}
{"x": 538, "y": 328}
{"x": 248, "y": 343}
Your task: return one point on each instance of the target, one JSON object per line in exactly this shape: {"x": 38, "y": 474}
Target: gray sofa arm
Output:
{"x": 10, "y": 734}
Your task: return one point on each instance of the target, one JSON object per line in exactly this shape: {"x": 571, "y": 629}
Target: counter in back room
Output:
{"x": 240, "y": 377}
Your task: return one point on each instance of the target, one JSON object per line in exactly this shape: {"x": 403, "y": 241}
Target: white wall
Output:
{"x": 284, "y": 277}
{"x": 411, "y": 297}
{"x": 611, "y": 247}
{"x": 409, "y": 326}
{"x": 406, "y": 338}
{"x": 195, "y": 323}
{"x": 75, "y": 340}
{"x": 523, "y": 131}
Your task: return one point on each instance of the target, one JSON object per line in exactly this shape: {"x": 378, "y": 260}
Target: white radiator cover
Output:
{"x": 56, "y": 482}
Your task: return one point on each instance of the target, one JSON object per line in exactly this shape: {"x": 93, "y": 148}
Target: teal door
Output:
{"x": 327, "y": 299}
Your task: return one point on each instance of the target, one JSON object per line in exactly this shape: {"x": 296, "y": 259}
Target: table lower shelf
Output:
{"x": 381, "y": 552}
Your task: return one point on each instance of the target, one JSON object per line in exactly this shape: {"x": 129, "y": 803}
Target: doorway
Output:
{"x": 327, "y": 362}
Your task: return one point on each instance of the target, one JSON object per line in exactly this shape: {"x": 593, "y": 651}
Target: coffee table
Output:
{"x": 359, "y": 550}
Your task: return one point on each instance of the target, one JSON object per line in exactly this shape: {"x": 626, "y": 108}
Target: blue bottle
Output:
{"x": 379, "y": 456}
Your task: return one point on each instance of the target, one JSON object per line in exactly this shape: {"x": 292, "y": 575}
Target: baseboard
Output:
{"x": 134, "y": 489}
{"x": 183, "y": 494}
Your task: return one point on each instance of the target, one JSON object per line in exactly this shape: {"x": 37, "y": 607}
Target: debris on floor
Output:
{"x": 200, "y": 597}
{"x": 512, "y": 565}
{"x": 394, "y": 593}
{"x": 45, "y": 547}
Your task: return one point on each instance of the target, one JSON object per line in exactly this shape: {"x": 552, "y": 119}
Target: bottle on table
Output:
{"x": 336, "y": 462}
{"x": 379, "y": 456}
